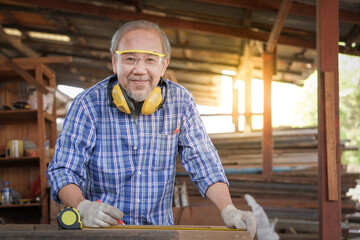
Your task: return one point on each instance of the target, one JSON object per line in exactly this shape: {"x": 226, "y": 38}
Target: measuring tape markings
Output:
{"x": 69, "y": 218}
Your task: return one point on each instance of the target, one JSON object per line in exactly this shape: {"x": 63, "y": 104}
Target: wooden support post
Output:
{"x": 267, "y": 141}
{"x": 269, "y": 69}
{"x": 41, "y": 142}
{"x": 235, "y": 110}
{"x": 248, "y": 111}
{"x": 328, "y": 119}
{"x": 248, "y": 76}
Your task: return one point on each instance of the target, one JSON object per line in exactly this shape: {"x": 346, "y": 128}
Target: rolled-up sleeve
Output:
{"x": 198, "y": 155}
{"x": 73, "y": 149}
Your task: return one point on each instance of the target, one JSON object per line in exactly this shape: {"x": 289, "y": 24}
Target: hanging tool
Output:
{"x": 69, "y": 218}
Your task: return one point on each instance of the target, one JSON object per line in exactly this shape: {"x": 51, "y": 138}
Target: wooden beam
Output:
{"x": 245, "y": 73}
{"x": 138, "y": 6}
{"x": 300, "y": 9}
{"x": 44, "y": 60}
{"x": 332, "y": 176}
{"x": 354, "y": 35}
{"x": 41, "y": 141}
{"x": 30, "y": 79}
{"x": 120, "y": 14}
{"x": 267, "y": 139}
{"x": 278, "y": 25}
{"x": 18, "y": 45}
{"x": 349, "y": 50}
{"x": 8, "y": 16}
{"x": 327, "y": 27}
{"x": 58, "y": 46}
{"x": 235, "y": 105}
{"x": 63, "y": 25}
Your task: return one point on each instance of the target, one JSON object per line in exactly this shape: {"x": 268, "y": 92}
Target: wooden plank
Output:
{"x": 185, "y": 232}
{"x": 245, "y": 72}
{"x": 278, "y": 25}
{"x": 235, "y": 106}
{"x": 327, "y": 28}
{"x": 38, "y": 60}
{"x": 267, "y": 139}
{"x": 332, "y": 177}
{"x": 23, "y": 231}
{"x": 15, "y": 115}
{"x": 90, "y": 235}
{"x": 41, "y": 144}
{"x": 30, "y": 65}
{"x": 218, "y": 235}
{"x": 170, "y": 227}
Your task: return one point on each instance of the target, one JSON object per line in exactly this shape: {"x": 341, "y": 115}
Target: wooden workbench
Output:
{"x": 177, "y": 232}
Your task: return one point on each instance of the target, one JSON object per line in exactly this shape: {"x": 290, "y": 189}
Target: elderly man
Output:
{"x": 121, "y": 137}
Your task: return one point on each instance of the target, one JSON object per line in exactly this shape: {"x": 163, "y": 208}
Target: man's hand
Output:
{"x": 235, "y": 218}
{"x": 95, "y": 214}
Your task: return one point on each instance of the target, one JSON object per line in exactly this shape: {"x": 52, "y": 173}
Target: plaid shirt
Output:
{"x": 128, "y": 163}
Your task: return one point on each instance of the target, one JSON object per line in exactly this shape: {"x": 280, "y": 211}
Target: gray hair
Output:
{"x": 144, "y": 25}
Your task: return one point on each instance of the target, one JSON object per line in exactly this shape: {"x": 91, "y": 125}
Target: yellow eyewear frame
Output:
{"x": 140, "y": 51}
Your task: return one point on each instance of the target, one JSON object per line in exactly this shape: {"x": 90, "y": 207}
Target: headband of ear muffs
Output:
{"x": 153, "y": 102}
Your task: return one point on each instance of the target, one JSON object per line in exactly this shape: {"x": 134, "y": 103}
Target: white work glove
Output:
{"x": 95, "y": 214}
{"x": 235, "y": 218}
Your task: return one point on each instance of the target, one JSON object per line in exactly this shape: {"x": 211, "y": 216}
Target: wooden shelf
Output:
{"x": 21, "y": 115}
{"x": 19, "y": 159}
{"x": 16, "y": 115}
{"x": 34, "y": 125}
{"x": 21, "y": 205}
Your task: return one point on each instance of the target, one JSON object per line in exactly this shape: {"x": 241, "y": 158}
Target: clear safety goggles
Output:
{"x": 131, "y": 57}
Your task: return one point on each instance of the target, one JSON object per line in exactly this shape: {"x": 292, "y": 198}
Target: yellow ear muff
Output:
{"x": 119, "y": 100}
{"x": 152, "y": 102}
{"x": 124, "y": 104}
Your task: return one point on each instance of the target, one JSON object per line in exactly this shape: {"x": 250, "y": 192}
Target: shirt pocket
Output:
{"x": 165, "y": 151}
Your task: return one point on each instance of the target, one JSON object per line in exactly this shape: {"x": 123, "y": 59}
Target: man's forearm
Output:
{"x": 219, "y": 194}
{"x": 71, "y": 195}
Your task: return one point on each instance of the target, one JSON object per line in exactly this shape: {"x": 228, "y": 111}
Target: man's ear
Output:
{"x": 114, "y": 63}
{"x": 165, "y": 64}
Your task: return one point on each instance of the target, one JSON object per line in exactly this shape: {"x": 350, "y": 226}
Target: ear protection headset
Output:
{"x": 119, "y": 99}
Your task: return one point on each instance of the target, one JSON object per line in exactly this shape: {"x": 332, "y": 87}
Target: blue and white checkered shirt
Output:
{"x": 128, "y": 163}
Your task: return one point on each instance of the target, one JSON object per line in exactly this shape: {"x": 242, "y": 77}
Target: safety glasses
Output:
{"x": 131, "y": 57}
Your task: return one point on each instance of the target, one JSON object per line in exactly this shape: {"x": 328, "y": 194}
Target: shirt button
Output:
{"x": 135, "y": 148}
{"x": 139, "y": 172}
{"x": 138, "y": 200}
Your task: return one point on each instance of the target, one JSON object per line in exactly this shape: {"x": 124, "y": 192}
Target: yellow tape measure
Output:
{"x": 69, "y": 218}
{"x": 174, "y": 227}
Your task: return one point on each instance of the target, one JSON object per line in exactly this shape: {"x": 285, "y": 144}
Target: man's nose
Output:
{"x": 140, "y": 66}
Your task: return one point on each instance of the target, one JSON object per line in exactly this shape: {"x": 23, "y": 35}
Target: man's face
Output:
{"x": 140, "y": 78}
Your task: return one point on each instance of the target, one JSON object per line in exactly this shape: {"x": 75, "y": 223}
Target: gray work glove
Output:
{"x": 235, "y": 218}
{"x": 95, "y": 214}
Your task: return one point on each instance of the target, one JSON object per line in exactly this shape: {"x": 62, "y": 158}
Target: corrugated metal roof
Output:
{"x": 207, "y": 36}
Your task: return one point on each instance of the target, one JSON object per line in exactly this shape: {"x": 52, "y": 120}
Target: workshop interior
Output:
{"x": 231, "y": 56}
